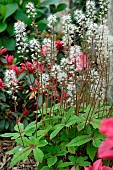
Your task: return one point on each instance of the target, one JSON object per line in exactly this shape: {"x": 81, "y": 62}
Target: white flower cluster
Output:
{"x": 58, "y": 73}
{"x": 51, "y": 51}
{"x": 51, "y": 21}
{"x": 71, "y": 90}
{"x": 35, "y": 48}
{"x": 44, "y": 78}
{"x": 31, "y": 10}
{"x": 21, "y": 37}
{"x": 10, "y": 80}
{"x": 103, "y": 8}
{"x": 90, "y": 10}
{"x": 86, "y": 25}
{"x": 80, "y": 20}
{"x": 68, "y": 30}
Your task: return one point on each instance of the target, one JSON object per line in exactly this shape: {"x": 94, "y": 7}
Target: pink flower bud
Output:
{"x": 25, "y": 112}
{"x": 9, "y": 59}
{"x": 2, "y": 85}
{"x": 2, "y": 51}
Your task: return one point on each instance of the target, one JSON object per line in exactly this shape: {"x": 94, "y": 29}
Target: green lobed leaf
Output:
{"x": 57, "y": 130}
{"x": 21, "y": 155}
{"x": 65, "y": 164}
{"x": 91, "y": 151}
{"x": 10, "y": 9}
{"x": 95, "y": 123}
{"x": 14, "y": 150}
{"x": 18, "y": 127}
{"x": 72, "y": 121}
{"x": 80, "y": 140}
{"x": 51, "y": 161}
{"x": 38, "y": 154}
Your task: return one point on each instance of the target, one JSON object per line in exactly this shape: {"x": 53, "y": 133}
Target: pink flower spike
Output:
{"x": 106, "y": 127}
{"x": 44, "y": 50}
{"x": 88, "y": 168}
{"x": 105, "y": 150}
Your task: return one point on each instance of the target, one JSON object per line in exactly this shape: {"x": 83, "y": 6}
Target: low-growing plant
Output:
{"x": 56, "y": 91}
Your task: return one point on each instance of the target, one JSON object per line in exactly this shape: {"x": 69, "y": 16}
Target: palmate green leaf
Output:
{"x": 80, "y": 140}
{"x": 10, "y": 9}
{"x": 51, "y": 161}
{"x": 21, "y": 155}
{"x": 48, "y": 2}
{"x": 91, "y": 151}
{"x": 57, "y": 130}
{"x": 38, "y": 154}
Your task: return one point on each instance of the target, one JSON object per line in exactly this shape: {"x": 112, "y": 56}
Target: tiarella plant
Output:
{"x": 56, "y": 91}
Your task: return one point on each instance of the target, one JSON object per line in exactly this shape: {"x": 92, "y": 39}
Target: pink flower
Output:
{"x": 2, "y": 85}
{"x": 105, "y": 150}
{"x": 59, "y": 45}
{"x": 44, "y": 50}
{"x": 18, "y": 120}
{"x": 38, "y": 66}
{"x": 9, "y": 59}
{"x": 27, "y": 67}
{"x": 36, "y": 86}
{"x": 2, "y": 51}
{"x": 16, "y": 69}
{"x": 73, "y": 168}
{"x": 25, "y": 112}
{"x": 97, "y": 165}
{"x": 81, "y": 62}
{"x": 106, "y": 127}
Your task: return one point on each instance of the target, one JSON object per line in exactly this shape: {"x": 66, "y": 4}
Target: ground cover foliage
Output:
{"x": 55, "y": 92}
